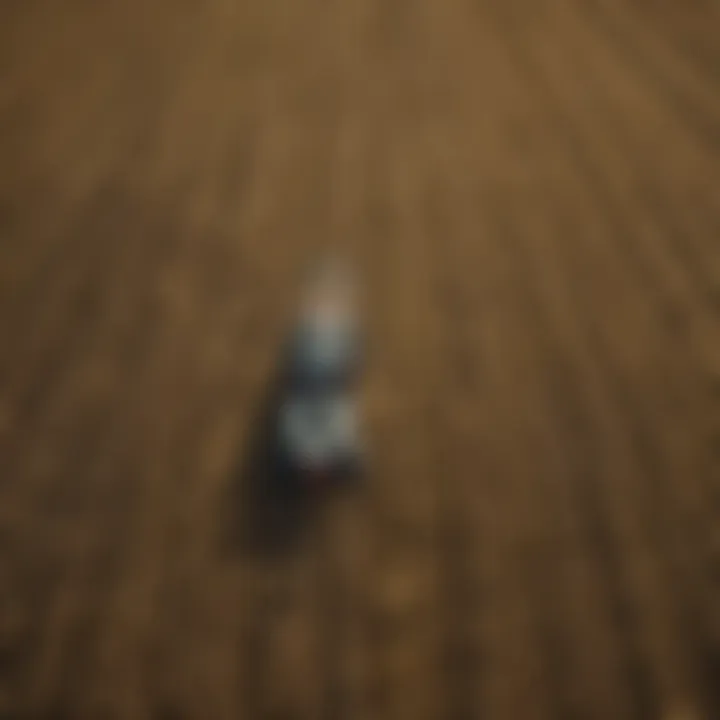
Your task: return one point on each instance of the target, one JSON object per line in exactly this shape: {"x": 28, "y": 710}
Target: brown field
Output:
{"x": 532, "y": 189}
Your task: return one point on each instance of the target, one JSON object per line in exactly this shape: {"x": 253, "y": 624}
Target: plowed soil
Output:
{"x": 532, "y": 192}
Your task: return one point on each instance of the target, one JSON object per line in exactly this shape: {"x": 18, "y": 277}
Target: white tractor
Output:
{"x": 318, "y": 438}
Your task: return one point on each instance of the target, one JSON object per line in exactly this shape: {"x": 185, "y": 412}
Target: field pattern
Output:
{"x": 532, "y": 190}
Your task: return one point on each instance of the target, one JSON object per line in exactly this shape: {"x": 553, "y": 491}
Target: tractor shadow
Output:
{"x": 265, "y": 513}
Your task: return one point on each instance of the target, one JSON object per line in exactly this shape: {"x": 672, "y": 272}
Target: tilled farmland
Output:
{"x": 532, "y": 193}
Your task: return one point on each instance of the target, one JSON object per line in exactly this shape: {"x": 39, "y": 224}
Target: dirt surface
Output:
{"x": 532, "y": 192}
